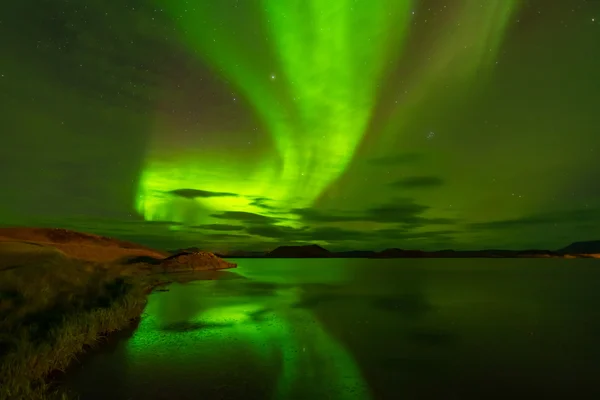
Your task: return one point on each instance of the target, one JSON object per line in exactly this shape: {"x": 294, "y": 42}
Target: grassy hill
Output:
{"x": 61, "y": 290}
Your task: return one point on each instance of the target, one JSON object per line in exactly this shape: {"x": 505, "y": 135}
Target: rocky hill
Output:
{"x": 79, "y": 245}
{"x": 21, "y": 244}
{"x": 590, "y": 247}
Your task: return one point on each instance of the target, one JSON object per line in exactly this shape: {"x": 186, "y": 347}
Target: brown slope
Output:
{"x": 83, "y": 246}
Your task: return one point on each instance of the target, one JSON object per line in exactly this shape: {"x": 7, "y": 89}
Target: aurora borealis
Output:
{"x": 349, "y": 123}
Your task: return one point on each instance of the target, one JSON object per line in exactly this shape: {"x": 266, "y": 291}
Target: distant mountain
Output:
{"x": 491, "y": 253}
{"x": 591, "y": 247}
{"x": 578, "y": 250}
{"x": 309, "y": 251}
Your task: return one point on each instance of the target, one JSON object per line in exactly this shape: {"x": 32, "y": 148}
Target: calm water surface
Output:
{"x": 362, "y": 329}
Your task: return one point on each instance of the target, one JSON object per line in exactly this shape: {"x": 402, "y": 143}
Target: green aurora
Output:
{"x": 315, "y": 95}
{"x": 351, "y": 124}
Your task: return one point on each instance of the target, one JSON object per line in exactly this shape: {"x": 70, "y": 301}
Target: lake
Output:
{"x": 361, "y": 329}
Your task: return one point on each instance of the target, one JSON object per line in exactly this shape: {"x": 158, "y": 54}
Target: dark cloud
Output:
{"x": 277, "y": 232}
{"x": 397, "y": 159}
{"x": 219, "y": 227}
{"x": 400, "y": 212}
{"x": 262, "y": 202}
{"x": 407, "y": 212}
{"x": 223, "y": 236}
{"x": 418, "y": 182}
{"x": 400, "y": 233}
{"x": 313, "y": 215}
{"x": 404, "y": 212}
{"x": 306, "y": 234}
{"x": 158, "y": 223}
{"x": 246, "y": 217}
{"x": 336, "y": 234}
{"x": 579, "y": 216}
{"x": 196, "y": 193}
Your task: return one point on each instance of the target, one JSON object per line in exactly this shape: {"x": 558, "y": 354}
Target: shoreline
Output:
{"x": 35, "y": 347}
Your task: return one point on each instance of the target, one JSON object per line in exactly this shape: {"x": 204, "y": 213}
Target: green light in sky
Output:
{"x": 461, "y": 50}
{"x": 313, "y": 71}
{"x": 312, "y": 80}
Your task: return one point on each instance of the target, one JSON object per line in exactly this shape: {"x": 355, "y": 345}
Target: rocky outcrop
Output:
{"x": 194, "y": 261}
{"x": 186, "y": 250}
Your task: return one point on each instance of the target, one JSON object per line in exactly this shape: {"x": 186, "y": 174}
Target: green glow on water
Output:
{"x": 310, "y": 360}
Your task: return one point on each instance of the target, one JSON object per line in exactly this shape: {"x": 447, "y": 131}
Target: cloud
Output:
{"x": 197, "y": 193}
{"x": 539, "y": 219}
{"x": 306, "y": 234}
{"x": 403, "y": 211}
{"x": 261, "y": 202}
{"x": 219, "y": 227}
{"x": 157, "y": 223}
{"x": 277, "y": 232}
{"x": 408, "y": 213}
{"x": 336, "y": 234}
{"x": 401, "y": 233}
{"x": 223, "y": 236}
{"x": 418, "y": 182}
{"x": 313, "y": 215}
{"x": 397, "y": 159}
{"x": 247, "y": 217}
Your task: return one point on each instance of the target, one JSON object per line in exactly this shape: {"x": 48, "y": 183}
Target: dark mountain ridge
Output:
{"x": 589, "y": 249}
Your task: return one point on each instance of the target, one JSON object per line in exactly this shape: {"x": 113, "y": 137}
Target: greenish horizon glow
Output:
{"x": 316, "y": 98}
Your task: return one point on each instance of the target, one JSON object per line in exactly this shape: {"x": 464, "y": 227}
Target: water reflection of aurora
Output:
{"x": 270, "y": 327}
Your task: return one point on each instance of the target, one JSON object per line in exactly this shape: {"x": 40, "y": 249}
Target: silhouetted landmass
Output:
{"x": 194, "y": 261}
{"x": 591, "y": 247}
{"x": 400, "y": 253}
{"x": 78, "y": 245}
{"x": 310, "y": 251}
{"x": 186, "y": 250}
{"x": 65, "y": 236}
{"x": 576, "y": 250}
{"x": 241, "y": 254}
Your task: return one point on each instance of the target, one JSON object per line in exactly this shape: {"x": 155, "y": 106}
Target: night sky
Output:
{"x": 353, "y": 124}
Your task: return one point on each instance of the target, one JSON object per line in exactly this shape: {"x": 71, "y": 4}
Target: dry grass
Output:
{"x": 51, "y": 307}
{"x": 83, "y": 246}
{"x": 61, "y": 290}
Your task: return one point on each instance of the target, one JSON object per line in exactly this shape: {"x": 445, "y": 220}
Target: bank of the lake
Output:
{"x": 53, "y": 307}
